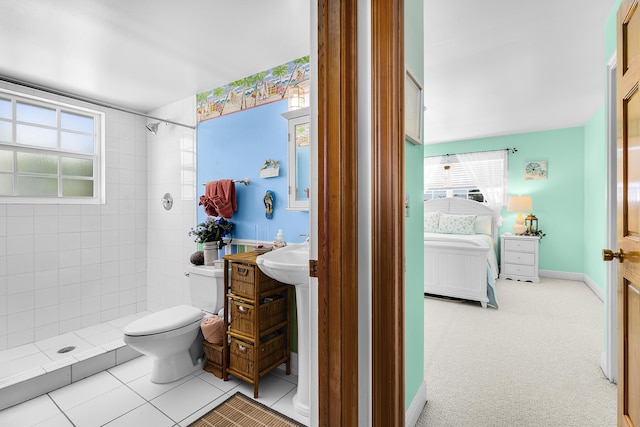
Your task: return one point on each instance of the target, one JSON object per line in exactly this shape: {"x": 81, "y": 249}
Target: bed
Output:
{"x": 460, "y": 241}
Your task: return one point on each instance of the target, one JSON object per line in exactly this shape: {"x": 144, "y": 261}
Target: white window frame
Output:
{"x": 98, "y": 156}
{"x": 487, "y": 171}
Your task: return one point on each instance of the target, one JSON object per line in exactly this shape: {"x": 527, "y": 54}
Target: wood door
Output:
{"x": 629, "y": 213}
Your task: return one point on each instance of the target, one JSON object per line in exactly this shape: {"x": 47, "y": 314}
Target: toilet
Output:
{"x": 172, "y": 337}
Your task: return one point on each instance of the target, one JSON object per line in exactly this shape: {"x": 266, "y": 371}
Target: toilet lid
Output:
{"x": 163, "y": 321}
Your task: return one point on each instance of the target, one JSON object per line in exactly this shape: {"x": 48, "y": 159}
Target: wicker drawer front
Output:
{"x": 243, "y": 279}
{"x": 213, "y": 353}
{"x": 243, "y": 315}
{"x": 242, "y": 358}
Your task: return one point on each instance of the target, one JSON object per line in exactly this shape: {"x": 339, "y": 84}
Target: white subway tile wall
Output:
{"x": 67, "y": 267}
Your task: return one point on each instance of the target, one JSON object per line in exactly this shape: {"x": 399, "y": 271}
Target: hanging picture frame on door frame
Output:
{"x": 413, "y": 111}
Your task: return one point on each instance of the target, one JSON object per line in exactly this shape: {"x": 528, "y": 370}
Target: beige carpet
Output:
{"x": 533, "y": 362}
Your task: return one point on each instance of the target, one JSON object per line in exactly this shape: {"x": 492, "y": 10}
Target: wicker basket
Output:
{"x": 243, "y": 280}
{"x": 241, "y": 354}
{"x": 213, "y": 353}
{"x": 243, "y": 316}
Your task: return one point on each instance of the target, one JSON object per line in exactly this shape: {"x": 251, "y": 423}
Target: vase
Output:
{"x": 210, "y": 250}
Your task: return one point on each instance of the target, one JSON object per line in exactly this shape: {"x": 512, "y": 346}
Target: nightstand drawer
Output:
{"x": 520, "y": 245}
{"x": 519, "y": 270}
{"x": 519, "y": 258}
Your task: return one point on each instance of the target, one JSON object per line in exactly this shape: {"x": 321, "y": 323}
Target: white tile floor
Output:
{"x": 42, "y": 356}
{"x": 125, "y": 396}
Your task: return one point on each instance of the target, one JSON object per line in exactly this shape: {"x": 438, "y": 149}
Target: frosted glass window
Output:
{"x": 36, "y": 136}
{"x": 6, "y": 134}
{"x": 37, "y": 186}
{"x": 76, "y": 142}
{"x": 37, "y": 163}
{"x": 5, "y": 108}
{"x": 76, "y": 122}
{"x": 6, "y": 161}
{"x": 50, "y": 151}
{"x": 6, "y": 185}
{"x": 77, "y": 188}
{"x": 36, "y": 114}
{"x": 77, "y": 167}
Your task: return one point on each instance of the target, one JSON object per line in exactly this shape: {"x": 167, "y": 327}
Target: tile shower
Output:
{"x": 72, "y": 267}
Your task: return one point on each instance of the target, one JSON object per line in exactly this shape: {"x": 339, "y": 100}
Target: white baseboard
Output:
{"x": 594, "y": 287}
{"x": 579, "y": 277}
{"x": 415, "y": 409}
{"x": 562, "y": 275}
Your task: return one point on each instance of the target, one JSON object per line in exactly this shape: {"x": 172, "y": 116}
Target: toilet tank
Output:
{"x": 206, "y": 285}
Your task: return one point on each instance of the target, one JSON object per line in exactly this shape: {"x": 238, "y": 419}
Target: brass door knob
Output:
{"x": 608, "y": 255}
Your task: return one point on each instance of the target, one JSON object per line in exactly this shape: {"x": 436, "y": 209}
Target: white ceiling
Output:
{"x": 496, "y": 67}
{"x": 492, "y": 67}
{"x": 143, "y": 54}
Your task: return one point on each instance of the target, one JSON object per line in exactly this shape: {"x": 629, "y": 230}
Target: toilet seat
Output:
{"x": 164, "y": 321}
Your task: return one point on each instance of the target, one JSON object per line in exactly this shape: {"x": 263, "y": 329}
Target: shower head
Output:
{"x": 153, "y": 127}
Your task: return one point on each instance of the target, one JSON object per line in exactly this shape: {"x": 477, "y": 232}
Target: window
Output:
{"x": 49, "y": 152}
{"x": 464, "y": 193}
{"x": 481, "y": 176}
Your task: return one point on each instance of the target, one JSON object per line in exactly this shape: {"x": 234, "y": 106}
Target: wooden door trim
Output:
{"x": 387, "y": 75}
{"x": 337, "y": 213}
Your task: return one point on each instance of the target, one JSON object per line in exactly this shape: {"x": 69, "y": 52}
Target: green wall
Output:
{"x": 414, "y": 248}
{"x": 595, "y": 171}
{"x": 558, "y": 201}
{"x": 595, "y": 197}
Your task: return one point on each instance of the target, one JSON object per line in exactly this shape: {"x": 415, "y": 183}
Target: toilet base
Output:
{"x": 170, "y": 368}
{"x": 179, "y": 365}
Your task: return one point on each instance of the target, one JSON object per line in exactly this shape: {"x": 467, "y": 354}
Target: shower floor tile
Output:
{"x": 39, "y": 355}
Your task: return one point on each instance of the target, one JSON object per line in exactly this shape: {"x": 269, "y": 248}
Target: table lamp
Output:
{"x": 519, "y": 204}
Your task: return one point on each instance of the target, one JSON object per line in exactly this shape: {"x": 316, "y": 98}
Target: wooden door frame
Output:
{"x": 338, "y": 193}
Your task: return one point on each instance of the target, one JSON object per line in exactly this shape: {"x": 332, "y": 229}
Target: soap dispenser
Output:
{"x": 279, "y": 242}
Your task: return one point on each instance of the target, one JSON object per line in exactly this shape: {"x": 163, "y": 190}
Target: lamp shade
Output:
{"x": 519, "y": 204}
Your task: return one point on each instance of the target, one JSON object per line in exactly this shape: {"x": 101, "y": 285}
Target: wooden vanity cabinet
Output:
{"x": 256, "y": 320}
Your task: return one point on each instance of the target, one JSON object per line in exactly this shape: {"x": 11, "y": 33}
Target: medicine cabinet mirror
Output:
{"x": 299, "y": 154}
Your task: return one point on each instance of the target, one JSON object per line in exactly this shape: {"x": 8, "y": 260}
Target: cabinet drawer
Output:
{"x": 245, "y": 278}
{"x": 520, "y": 245}
{"x": 243, "y": 357}
{"x": 243, "y": 316}
{"x": 519, "y": 270}
{"x": 519, "y": 258}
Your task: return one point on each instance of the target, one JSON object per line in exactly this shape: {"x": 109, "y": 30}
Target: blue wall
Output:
{"x": 235, "y": 147}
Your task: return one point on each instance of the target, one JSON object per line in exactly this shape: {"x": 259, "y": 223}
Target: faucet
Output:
{"x": 306, "y": 236}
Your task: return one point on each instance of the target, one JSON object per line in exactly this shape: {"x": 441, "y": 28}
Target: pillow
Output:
{"x": 456, "y": 224}
{"x": 431, "y": 220}
{"x": 483, "y": 224}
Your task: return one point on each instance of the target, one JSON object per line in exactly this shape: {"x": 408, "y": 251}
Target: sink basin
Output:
{"x": 291, "y": 265}
{"x": 288, "y": 265}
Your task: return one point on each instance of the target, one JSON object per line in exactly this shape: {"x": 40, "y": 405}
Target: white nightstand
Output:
{"x": 519, "y": 258}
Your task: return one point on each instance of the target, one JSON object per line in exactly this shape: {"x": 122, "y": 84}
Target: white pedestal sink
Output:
{"x": 291, "y": 265}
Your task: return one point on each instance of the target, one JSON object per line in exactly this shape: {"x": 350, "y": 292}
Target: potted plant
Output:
{"x": 213, "y": 233}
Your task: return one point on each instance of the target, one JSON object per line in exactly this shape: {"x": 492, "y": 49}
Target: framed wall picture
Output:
{"x": 535, "y": 170}
{"x": 413, "y": 111}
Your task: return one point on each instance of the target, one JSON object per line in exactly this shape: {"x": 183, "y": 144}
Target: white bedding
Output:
{"x": 481, "y": 240}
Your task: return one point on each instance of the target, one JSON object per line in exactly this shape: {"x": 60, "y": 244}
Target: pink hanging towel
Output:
{"x": 219, "y": 198}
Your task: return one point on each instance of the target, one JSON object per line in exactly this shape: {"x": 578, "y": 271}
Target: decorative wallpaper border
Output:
{"x": 253, "y": 91}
